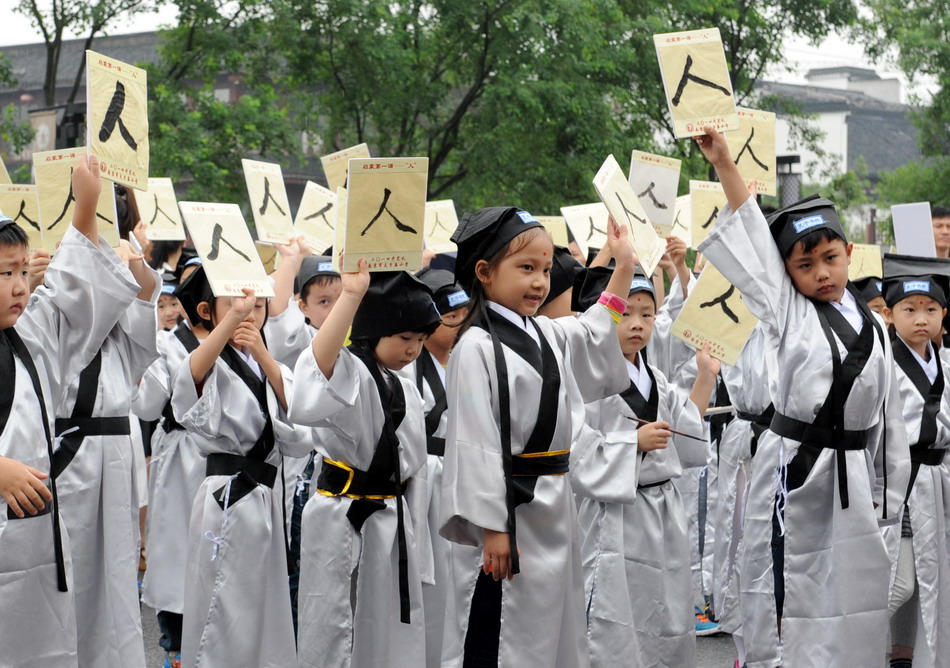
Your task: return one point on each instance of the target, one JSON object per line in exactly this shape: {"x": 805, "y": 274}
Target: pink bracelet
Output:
{"x": 613, "y": 302}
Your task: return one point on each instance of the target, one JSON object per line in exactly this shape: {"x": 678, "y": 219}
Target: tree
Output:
{"x": 16, "y": 134}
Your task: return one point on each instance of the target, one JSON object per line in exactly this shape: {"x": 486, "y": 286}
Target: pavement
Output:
{"x": 712, "y": 651}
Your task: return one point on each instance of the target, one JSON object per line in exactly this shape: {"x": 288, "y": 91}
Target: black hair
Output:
{"x": 813, "y": 238}
{"x": 127, "y": 211}
{"x": 369, "y": 344}
{"x": 161, "y": 251}
{"x": 13, "y": 235}
{"x": 940, "y": 212}
{"x": 317, "y": 281}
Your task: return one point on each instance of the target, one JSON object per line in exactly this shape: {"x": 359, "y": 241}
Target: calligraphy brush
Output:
{"x": 672, "y": 431}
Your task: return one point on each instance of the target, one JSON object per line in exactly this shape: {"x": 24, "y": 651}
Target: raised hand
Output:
{"x": 243, "y": 306}
{"x": 714, "y": 147}
{"x": 355, "y": 283}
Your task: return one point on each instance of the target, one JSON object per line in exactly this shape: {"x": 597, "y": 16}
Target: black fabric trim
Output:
{"x": 643, "y": 408}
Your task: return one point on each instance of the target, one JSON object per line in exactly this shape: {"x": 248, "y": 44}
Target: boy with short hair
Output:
{"x": 814, "y": 571}
{"x": 44, "y": 345}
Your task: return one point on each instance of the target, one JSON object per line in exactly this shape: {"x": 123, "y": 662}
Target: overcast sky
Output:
{"x": 800, "y": 56}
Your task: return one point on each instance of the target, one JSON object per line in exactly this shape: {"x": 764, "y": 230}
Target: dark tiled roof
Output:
{"x": 816, "y": 98}
{"x": 29, "y": 60}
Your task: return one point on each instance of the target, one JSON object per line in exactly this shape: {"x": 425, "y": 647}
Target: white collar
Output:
{"x": 929, "y": 367}
{"x": 848, "y": 307}
{"x": 639, "y": 376}
{"x": 518, "y": 320}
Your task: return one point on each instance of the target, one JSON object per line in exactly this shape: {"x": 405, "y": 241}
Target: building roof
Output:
{"x": 29, "y": 60}
{"x": 814, "y": 99}
{"x": 853, "y": 73}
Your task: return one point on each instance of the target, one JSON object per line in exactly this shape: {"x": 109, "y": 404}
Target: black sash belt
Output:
{"x": 543, "y": 463}
{"x": 340, "y": 479}
{"x": 653, "y": 484}
{"x": 169, "y": 423}
{"x": 435, "y": 446}
{"x": 224, "y": 464}
{"x": 922, "y": 456}
{"x": 45, "y": 510}
{"x": 96, "y": 426}
{"x": 760, "y": 424}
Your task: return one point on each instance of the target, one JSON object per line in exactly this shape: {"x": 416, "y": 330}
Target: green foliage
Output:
{"x": 15, "y": 134}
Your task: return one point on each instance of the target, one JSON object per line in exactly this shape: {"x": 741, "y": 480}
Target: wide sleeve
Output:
{"x": 741, "y": 247}
{"x": 208, "y": 415}
{"x": 666, "y": 352}
{"x": 86, "y": 291}
{"x": 321, "y": 402}
{"x": 292, "y": 439}
{"x": 288, "y": 335}
{"x": 685, "y": 418}
{"x": 138, "y": 331}
{"x": 592, "y": 352}
{"x": 605, "y": 460}
{"x": 473, "y": 481}
{"x": 154, "y": 390}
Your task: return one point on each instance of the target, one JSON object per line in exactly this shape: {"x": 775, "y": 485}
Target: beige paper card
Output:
{"x": 316, "y": 217}
{"x": 753, "y": 149}
{"x": 20, "y": 203}
{"x": 53, "y": 171}
{"x": 269, "y": 256}
{"x": 4, "y": 174}
{"x": 335, "y": 164}
{"x": 557, "y": 228}
{"x": 158, "y": 209}
{"x": 340, "y": 232}
{"x": 588, "y": 224}
{"x": 655, "y": 179}
{"x": 117, "y": 119}
{"x": 624, "y": 206}
{"x": 227, "y": 250}
{"x": 682, "y": 220}
{"x": 269, "y": 203}
{"x": 707, "y": 199}
{"x": 696, "y": 80}
{"x": 865, "y": 261}
{"x": 714, "y": 312}
{"x": 385, "y": 214}
{"x": 441, "y": 222}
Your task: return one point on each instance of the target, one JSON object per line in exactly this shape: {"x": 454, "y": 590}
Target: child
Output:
{"x": 176, "y": 469}
{"x": 364, "y": 549}
{"x": 871, "y": 289}
{"x": 168, "y": 308}
{"x": 230, "y": 394}
{"x": 44, "y": 345}
{"x": 636, "y": 548}
{"x": 516, "y": 390}
{"x": 428, "y": 374}
{"x": 814, "y": 568}
{"x": 916, "y": 305}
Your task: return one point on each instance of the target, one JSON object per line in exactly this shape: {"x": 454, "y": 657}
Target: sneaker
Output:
{"x": 172, "y": 660}
{"x": 704, "y": 626}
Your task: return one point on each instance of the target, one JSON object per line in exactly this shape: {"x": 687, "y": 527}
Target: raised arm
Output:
{"x": 330, "y": 338}
{"x": 625, "y": 258}
{"x": 291, "y": 255}
{"x": 210, "y": 349}
{"x": 714, "y": 147}
{"x": 87, "y": 185}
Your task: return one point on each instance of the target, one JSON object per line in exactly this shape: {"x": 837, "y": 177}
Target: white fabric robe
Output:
{"x": 636, "y": 550}
{"x": 836, "y": 565}
{"x": 100, "y": 502}
{"x": 929, "y": 508}
{"x": 86, "y": 291}
{"x": 348, "y": 601}
{"x": 748, "y": 385}
{"x": 237, "y": 604}
{"x": 176, "y": 471}
{"x": 544, "y": 624}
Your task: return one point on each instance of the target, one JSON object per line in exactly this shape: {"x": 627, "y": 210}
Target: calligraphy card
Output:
{"x": 54, "y": 171}
{"x": 683, "y": 221}
{"x": 4, "y": 174}
{"x": 714, "y": 313}
{"x": 655, "y": 179}
{"x": 269, "y": 203}
{"x": 336, "y": 164}
{"x": 339, "y": 235}
{"x": 117, "y": 119}
{"x": 696, "y": 80}
{"x": 158, "y": 209}
{"x": 270, "y": 256}
{"x": 752, "y": 147}
{"x": 588, "y": 224}
{"x": 20, "y": 202}
{"x": 441, "y": 221}
{"x": 624, "y": 206}
{"x": 865, "y": 261}
{"x": 227, "y": 250}
{"x": 385, "y": 214}
{"x": 913, "y": 229}
{"x": 707, "y": 199}
{"x": 316, "y": 217}
{"x": 557, "y": 228}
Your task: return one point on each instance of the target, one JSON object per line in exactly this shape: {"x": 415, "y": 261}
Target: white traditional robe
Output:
{"x": 237, "y": 600}
{"x": 99, "y": 500}
{"x": 86, "y": 291}
{"x": 835, "y": 563}
{"x": 543, "y": 606}
{"x": 348, "y": 602}
{"x": 636, "y": 550}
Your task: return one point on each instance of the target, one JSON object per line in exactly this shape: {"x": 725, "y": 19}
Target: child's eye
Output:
{"x": 324, "y": 302}
{"x": 527, "y": 267}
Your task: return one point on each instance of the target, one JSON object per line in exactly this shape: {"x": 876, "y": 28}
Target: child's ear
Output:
{"x": 204, "y": 310}
{"x": 302, "y": 305}
{"x": 482, "y": 271}
{"x": 849, "y": 248}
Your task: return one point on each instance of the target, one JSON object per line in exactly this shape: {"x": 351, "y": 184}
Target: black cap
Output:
{"x": 169, "y": 283}
{"x": 192, "y": 291}
{"x": 588, "y": 286}
{"x": 396, "y": 302}
{"x": 563, "y": 272}
{"x": 446, "y": 293}
{"x": 870, "y": 287}
{"x": 790, "y": 224}
{"x": 906, "y": 275}
{"x": 641, "y": 283}
{"x": 312, "y": 267}
{"x": 481, "y": 235}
